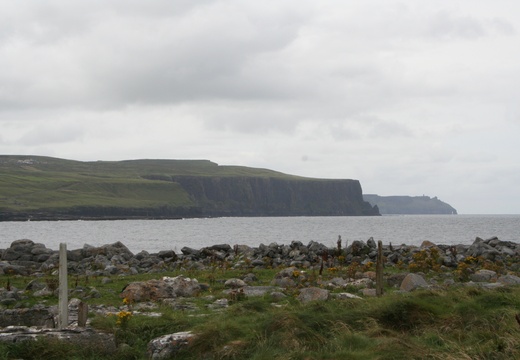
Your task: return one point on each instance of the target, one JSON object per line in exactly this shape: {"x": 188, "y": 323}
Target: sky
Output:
{"x": 409, "y": 97}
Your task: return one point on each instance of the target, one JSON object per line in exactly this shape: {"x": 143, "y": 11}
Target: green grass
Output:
{"x": 50, "y": 184}
{"x": 454, "y": 323}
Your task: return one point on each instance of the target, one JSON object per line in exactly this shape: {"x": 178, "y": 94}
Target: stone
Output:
{"x": 78, "y": 336}
{"x": 285, "y": 282}
{"x": 346, "y": 295}
{"x": 167, "y": 254}
{"x": 483, "y": 275}
{"x": 258, "y": 290}
{"x": 219, "y": 304}
{"x": 509, "y": 280}
{"x": 412, "y": 282}
{"x": 235, "y": 283}
{"x": 35, "y": 285}
{"x": 369, "y": 292}
{"x": 337, "y": 281}
{"x": 159, "y": 289}
{"x": 426, "y": 244}
{"x": 249, "y": 278}
{"x": 38, "y": 315}
{"x": 313, "y": 294}
{"x": 165, "y": 347}
{"x": 278, "y": 296}
{"x": 221, "y": 247}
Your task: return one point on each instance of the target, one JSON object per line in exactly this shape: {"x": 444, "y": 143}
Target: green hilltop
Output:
{"x": 36, "y": 187}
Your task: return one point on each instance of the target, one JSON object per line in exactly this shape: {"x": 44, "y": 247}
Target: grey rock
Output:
{"x": 284, "y": 282}
{"x": 369, "y": 292}
{"x": 483, "y": 275}
{"x": 35, "y": 285}
{"x": 38, "y": 315}
{"x": 412, "y": 282}
{"x": 313, "y": 294}
{"x": 160, "y": 289}
{"x": 235, "y": 283}
{"x": 278, "y": 296}
{"x": 509, "y": 280}
{"x": 346, "y": 295}
{"x": 166, "y": 346}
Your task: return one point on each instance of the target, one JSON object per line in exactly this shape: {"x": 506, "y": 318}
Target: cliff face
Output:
{"x": 260, "y": 196}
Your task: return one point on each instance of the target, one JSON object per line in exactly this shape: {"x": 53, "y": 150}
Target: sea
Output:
{"x": 157, "y": 235}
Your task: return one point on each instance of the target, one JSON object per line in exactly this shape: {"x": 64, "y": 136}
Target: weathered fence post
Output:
{"x": 82, "y": 314}
{"x": 63, "y": 308}
{"x": 379, "y": 269}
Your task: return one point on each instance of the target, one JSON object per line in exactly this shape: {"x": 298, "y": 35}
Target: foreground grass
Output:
{"x": 454, "y": 323}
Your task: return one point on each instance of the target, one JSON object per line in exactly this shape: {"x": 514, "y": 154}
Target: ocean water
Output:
{"x": 157, "y": 235}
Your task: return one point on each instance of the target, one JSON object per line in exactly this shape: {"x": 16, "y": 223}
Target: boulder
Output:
{"x": 235, "y": 283}
{"x": 284, "y": 282}
{"x": 313, "y": 294}
{"x": 369, "y": 292}
{"x": 160, "y": 289}
{"x": 509, "y": 280}
{"x": 412, "y": 282}
{"x": 166, "y": 346}
{"x": 38, "y": 315}
{"x": 78, "y": 336}
{"x": 483, "y": 275}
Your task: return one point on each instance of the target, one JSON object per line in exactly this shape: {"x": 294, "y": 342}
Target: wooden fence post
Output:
{"x": 63, "y": 308}
{"x": 379, "y": 269}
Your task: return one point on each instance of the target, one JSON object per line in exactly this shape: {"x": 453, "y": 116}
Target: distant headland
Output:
{"x": 409, "y": 205}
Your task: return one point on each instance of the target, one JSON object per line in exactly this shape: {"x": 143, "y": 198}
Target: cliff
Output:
{"x": 43, "y": 188}
{"x": 255, "y": 196}
{"x": 401, "y": 205}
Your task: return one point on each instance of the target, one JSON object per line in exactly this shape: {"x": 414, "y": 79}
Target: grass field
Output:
{"x": 29, "y": 183}
{"x": 448, "y": 323}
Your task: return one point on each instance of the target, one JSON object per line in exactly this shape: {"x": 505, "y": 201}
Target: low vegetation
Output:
{"x": 456, "y": 322}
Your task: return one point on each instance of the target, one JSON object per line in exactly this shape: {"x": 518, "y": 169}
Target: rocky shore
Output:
{"x": 26, "y": 257}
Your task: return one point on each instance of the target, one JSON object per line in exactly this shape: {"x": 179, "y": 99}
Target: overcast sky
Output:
{"x": 409, "y": 97}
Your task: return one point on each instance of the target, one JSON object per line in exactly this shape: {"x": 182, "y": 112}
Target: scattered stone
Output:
{"x": 369, "y": 292}
{"x": 38, "y": 315}
{"x": 80, "y": 336}
{"x": 483, "y": 275}
{"x": 219, "y": 304}
{"x": 509, "y": 280}
{"x": 278, "y": 295}
{"x": 160, "y": 289}
{"x": 313, "y": 294}
{"x": 346, "y": 295}
{"x": 167, "y": 345}
{"x": 412, "y": 282}
{"x": 235, "y": 283}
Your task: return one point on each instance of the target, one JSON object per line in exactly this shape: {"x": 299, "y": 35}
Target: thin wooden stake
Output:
{"x": 379, "y": 269}
{"x": 63, "y": 309}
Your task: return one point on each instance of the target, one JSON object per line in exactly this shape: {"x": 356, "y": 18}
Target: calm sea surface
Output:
{"x": 157, "y": 235}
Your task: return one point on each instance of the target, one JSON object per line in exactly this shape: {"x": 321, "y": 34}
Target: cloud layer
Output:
{"x": 410, "y": 98}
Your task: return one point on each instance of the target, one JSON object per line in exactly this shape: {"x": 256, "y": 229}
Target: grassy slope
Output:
{"x": 452, "y": 323}
{"x": 32, "y": 182}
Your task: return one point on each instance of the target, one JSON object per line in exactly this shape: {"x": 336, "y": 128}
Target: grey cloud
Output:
{"x": 129, "y": 58}
{"x": 45, "y": 134}
{"x": 446, "y": 25}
